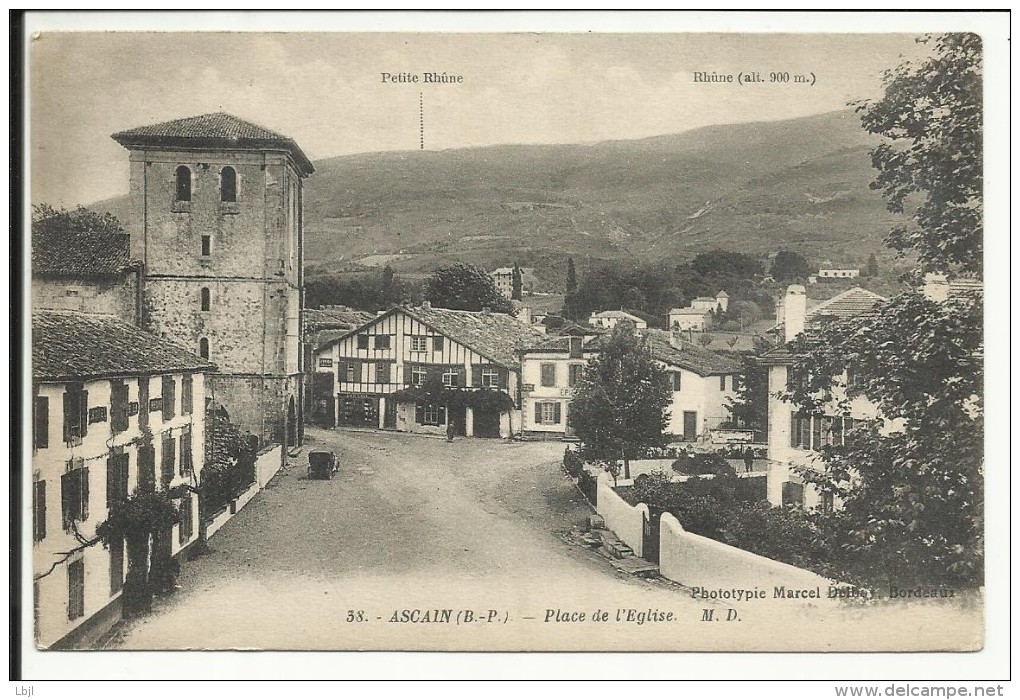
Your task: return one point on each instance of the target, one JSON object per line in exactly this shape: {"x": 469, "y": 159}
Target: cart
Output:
{"x": 322, "y": 465}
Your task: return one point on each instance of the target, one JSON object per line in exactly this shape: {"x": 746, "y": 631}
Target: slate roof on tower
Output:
{"x": 216, "y": 130}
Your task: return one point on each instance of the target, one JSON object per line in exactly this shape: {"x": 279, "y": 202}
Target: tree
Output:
{"x": 912, "y": 485}
{"x": 518, "y": 283}
{"x": 620, "y": 404}
{"x": 789, "y": 265}
{"x": 144, "y": 517}
{"x": 571, "y": 276}
{"x": 46, "y": 220}
{"x": 387, "y": 280}
{"x": 871, "y": 269}
{"x": 724, "y": 262}
{"x": 465, "y": 287}
{"x": 749, "y": 408}
{"x": 931, "y": 165}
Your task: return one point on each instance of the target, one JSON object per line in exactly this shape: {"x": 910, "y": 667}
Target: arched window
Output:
{"x": 205, "y": 298}
{"x": 203, "y": 348}
{"x": 228, "y": 185}
{"x": 183, "y": 183}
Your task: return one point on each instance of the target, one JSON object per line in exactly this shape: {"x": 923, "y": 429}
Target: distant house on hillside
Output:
{"x": 609, "y": 319}
{"x": 838, "y": 273}
{"x": 695, "y": 317}
{"x": 504, "y": 279}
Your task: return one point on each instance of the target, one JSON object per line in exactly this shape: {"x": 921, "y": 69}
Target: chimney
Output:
{"x": 427, "y": 305}
{"x": 794, "y": 311}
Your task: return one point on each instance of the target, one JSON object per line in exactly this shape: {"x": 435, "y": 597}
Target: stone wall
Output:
{"x": 116, "y": 296}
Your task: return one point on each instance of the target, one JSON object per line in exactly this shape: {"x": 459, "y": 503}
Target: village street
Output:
{"x": 424, "y": 524}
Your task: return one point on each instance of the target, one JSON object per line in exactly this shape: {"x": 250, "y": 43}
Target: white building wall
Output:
{"x": 50, "y": 463}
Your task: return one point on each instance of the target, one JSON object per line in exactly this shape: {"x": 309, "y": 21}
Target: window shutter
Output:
{"x": 84, "y": 493}
{"x": 476, "y": 375}
{"x": 169, "y": 398}
{"x": 166, "y": 472}
{"x": 39, "y": 510}
{"x": 419, "y": 413}
{"x": 84, "y": 413}
{"x": 434, "y": 373}
{"x": 462, "y": 376}
{"x": 437, "y": 343}
{"x": 441, "y": 415}
{"x": 68, "y": 495}
{"x": 407, "y": 373}
{"x": 111, "y": 479}
{"x": 504, "y": 378}
{"x": 357, "y": 370}
{"x": 538, "y": 413}
{"x": 42, "y": 421}
{"x": 187, "y": 390}
{"x": 69, "y": 413}
{"x": 556, "y": 413}
{"x": 794, "y": 429}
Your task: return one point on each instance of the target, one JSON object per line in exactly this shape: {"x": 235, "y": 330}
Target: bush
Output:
{"x": 702, "y": 463}
{"x": 589, "y": 486}
{"x": 572, "y": 463}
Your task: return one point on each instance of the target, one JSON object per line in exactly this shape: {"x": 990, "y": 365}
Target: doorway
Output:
{"x": 690, "y": 425}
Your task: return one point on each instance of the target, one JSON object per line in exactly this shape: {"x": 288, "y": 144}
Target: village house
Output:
{"x": 794, "y": 438}
{"x": 379, "y": 372}
{"x": 696, "y": 316}
{"x": 503, "y": 277}
{"x": 842, "y": 273}
{"x": 702, "y": 382}
{"x": 216, "y": 222}
{"x": 609, "y": 319}
{"x": 322, "y": 326}
{"x": 115, "y": 409}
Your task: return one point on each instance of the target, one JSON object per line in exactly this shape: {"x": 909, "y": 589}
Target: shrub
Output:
{"x": 702, "y": 463}
{"x": 572, "y": 463}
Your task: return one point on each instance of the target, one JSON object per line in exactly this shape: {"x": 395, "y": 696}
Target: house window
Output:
{"x": 450, "y": 377}
{"x": 547, "y": 413}
{"x": 419, "y": 343}
{"x": 97, "y": 415}
{"x": 382, "y": 372}
{"x": 76, "y": 401}
{"x": 205, "y": 298}
{"x": 203, "y": 348}
{"x": 793, "y": 493}
{"x": 206, "y": 245}
{"x": 187, "y": 395}
{"x": 437, "y": 343}
{"x": 430, "y": 414}
{"x": 169, "y": 397}
{"x": 74, "y": 494}
{"x": 363, "y": 342}
{"x": 182, "y": 189}
{"x": 418, "y": 376}
{"x": 382, "y": 342}
{"x": 325, "y": 362}
{"x": 41, "y": 425}
{"x": 575, "y": 372}
{"x": 186, "y": 458}
{"x": 490, "y": 377}
{"x": 675, "y": 380}
{"x": 349, "y": 372}
{"x": 116, "y": 565}
{"x": 116, "y": 478}
{"x": 548, "y": 374}
{"x": 574, "y": 344}
{"x": 186, "y": 521}
{"x": 228, "y": 185}
{"x": 38, "y": 510}
{"x": 118, "y": 407}
{"x": 76, "y": 589}
{"x": 851, "y": 378}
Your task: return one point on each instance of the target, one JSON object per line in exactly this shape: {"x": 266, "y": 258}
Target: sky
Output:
{"x": 326, "y": 90}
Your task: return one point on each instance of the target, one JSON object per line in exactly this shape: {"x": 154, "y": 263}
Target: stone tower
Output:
{"x": 216, "y": 219}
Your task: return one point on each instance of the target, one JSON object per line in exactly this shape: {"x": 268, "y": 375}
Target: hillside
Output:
{"x": 800, "y": 184}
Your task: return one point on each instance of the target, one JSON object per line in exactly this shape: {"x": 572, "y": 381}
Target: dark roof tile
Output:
{"x": 68, "y": 345}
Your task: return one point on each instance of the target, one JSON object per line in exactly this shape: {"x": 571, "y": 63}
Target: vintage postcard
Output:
{"x": 508, "y": 341}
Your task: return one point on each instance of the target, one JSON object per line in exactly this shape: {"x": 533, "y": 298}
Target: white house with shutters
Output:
{"x": 115, "y": 409}
{"x": 363, "y": 377}
{"x": 703, "y": 382}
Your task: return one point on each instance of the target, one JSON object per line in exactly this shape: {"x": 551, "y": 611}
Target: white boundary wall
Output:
{"x": 625, "y": 520}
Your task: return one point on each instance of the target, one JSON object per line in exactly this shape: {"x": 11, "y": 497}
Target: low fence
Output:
{"x": 696, "y": 561}
{"x": 625, "y": 520}
{"x": 267, "y": 463}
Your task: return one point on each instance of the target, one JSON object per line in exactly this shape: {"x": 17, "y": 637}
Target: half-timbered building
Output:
{"x": 388, "y": 372}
